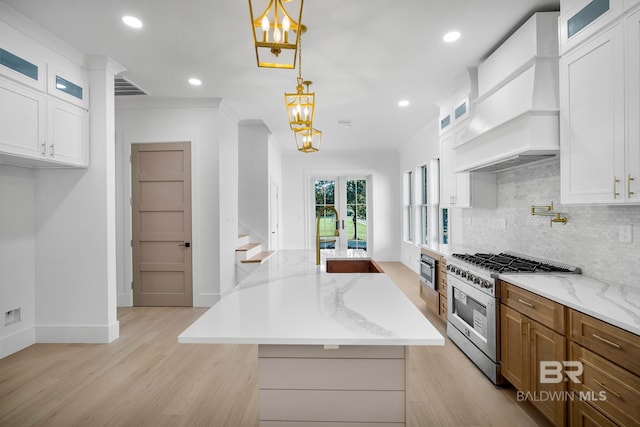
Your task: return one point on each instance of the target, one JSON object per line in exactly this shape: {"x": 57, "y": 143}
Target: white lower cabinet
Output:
{"x": 40, "y": 131}
{"x": 599, "y": 114}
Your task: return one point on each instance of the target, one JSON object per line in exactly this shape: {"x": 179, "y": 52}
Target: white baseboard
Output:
{"x": 206, "y": 300}
{"x": 77, "y": 334}
{"x": 17, "y": 341}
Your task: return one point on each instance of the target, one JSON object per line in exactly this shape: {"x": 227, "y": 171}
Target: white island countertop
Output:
{"x": 289, "y": 300}
{"x": 615, "y": 304}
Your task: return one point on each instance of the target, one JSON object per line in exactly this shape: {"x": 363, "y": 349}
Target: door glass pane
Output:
{"x": 357, "y": 214}
{"x": 325, "y": 196}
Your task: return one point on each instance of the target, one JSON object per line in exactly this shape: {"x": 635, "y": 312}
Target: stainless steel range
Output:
{"x": 474, "y": 301}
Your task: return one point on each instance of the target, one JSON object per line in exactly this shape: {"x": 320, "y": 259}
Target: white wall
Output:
{"x": 274, "y": 156}
{"x": 414, "y": 153}
{"x": 212, "y": 130}
{"x": 17, "y": 256}
{"x": 385, "y": 198}
{"x": 253, "y": 182}
{"x": 68, "y": 256}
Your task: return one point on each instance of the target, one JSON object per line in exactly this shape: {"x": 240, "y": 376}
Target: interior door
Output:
{"x": 161, "y": 224}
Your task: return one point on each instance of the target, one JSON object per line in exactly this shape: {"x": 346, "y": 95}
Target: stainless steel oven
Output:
{"x": 472, "y": 317}
{"x": 428, "y": 272}
{"x": 473, "y": 302}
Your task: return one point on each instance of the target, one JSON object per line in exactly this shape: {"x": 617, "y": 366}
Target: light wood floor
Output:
{"x": 145, "y": 378}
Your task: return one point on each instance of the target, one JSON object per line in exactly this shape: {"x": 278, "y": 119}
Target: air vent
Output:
{"x": 125, "y": 87}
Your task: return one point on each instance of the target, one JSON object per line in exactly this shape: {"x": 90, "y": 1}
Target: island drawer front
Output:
{"x": 540, "y": 309}
{"x": 342, "y": 352}
{"x": 616, "y": 392}
{"x": 609, "y": 341}
{"x": 331, "y": 374}
{"x": 333, "y": 405}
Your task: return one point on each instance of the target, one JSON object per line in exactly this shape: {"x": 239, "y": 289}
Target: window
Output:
{"x": 18, "y": 64}
{"x": 424, "y": 207}
{"x": 408, "y": 206}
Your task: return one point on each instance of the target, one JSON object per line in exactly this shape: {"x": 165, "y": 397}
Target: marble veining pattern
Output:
{"x": 290, "y": 300}
{"x": 589, "y": 240}
{"x": 615, "y": 304}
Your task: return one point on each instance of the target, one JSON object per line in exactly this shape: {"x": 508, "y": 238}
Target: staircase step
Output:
{"x": 247, "y": 247}
{"x": 243, "y": 239}
{"x": 260, "y": 257}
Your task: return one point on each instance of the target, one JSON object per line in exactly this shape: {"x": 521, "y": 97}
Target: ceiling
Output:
{"x": 363, "y": 56}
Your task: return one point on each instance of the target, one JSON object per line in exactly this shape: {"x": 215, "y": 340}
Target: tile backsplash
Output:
{"x": 589, "y": 240}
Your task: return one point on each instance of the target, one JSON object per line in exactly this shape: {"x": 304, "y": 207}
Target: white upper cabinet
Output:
{"x": 18, "y": 64}
{"x": 463, "y": 189}
{"x": 631, "y": 176}
{"x": 592, "y": 119}
{"x": 44, "y": 99}
{"x": 581, "y": 19}
{"x": 600, "y": 111}
{"x": 22, "y": 120}
{"x": 67, "y": 133}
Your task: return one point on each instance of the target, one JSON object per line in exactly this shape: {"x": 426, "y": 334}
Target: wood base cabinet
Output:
{"x": 526, "y": 343}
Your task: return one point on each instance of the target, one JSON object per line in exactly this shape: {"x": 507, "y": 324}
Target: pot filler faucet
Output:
{"x": 337, "y": 232}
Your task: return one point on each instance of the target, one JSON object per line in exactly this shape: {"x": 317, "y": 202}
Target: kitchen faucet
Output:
{"x": 337, "y": 232}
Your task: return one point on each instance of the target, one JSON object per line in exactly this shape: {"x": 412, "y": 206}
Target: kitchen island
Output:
{"x": 333, "y": 347}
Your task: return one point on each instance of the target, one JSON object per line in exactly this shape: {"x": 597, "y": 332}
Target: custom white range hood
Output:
{"x": 515, "y": 118}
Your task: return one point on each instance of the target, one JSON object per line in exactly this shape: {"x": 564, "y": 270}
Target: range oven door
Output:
{"x": 474, "y": 314}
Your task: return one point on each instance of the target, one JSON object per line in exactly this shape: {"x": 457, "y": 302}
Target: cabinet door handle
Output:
{"x": 44, "y": 148}
{"x": 528, "y": 304}
{"x": 629, "y": 179}
{"x": 615, "y": 187}
{"x": 53, "y": 150}
{"x": 616, "y": 394}
{"x": 606, "y": 341}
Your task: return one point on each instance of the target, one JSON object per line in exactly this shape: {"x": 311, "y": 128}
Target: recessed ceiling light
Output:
{"x": 403, "y": 103}
{"x": 195, "y": 82}
{"x": 132, "y": 21}
{"x": 451, "y": 36}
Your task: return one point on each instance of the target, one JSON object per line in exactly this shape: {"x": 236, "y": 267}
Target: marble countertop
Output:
{"x": 615, "y": 304}
{"x": 290, "y": 300}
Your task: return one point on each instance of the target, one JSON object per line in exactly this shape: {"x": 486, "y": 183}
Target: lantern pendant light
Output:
{"x": 308, "y": 140}
{"x": 275, "y": 46}
{"x": 300, "y": 105}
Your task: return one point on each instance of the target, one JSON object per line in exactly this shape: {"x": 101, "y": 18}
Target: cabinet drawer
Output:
{"x": 584, "y": 415}
{"x": 540, "y": 309}
{"x": 443, "y": 308}
{"x": 609, "y": 341}
{"x": 615, "y": 391}
{"x": 442, "y": 284}
{"x": 431, "y": 297}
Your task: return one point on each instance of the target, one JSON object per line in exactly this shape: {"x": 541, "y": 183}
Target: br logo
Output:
{"x": 553, "y": 372}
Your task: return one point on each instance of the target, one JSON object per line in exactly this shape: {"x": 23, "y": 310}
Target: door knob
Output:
{"x": 185, "y": 244}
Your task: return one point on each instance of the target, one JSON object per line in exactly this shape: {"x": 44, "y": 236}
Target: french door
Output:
{"x": 348, "y": 196}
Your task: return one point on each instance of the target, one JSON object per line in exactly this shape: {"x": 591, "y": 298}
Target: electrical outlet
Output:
{"x": 12, "y": 316}
{"x": 625, "y": 233}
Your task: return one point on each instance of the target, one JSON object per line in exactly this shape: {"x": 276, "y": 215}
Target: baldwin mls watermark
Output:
{"x": 554, "y": 372}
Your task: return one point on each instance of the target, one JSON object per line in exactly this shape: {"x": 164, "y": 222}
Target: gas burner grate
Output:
{"x": 513, "y": 263}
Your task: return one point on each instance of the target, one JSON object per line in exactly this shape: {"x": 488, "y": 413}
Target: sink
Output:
{"x": 353, "y": 266}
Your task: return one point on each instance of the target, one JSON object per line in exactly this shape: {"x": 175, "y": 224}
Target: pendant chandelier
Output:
{"x": 308, "y": 140}
{"x": 275, "y": 46}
